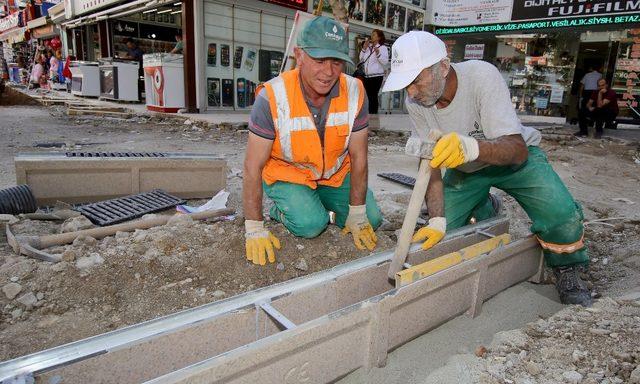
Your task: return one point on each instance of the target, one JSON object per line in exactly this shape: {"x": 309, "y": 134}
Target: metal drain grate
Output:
{"x": 129, "y": 207}
{"x": 115, "y": 154}
{"x": 399, "y": 178}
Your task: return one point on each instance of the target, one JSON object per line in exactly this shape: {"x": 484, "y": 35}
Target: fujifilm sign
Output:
{"x": 545, "y": 9}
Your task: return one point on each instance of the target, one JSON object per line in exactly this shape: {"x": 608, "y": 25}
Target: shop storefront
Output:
{"x": 16, "y": 53}
{"x": 244, "y": 45}
{"x": 245, "y": 42}
{"x": 543, "y": 60}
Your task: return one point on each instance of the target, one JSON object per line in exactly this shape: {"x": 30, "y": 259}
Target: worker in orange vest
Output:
{"x": 307, "y": 148}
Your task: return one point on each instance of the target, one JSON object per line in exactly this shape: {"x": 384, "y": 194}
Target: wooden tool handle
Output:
{"x": 410, "y": 219}
{"x": 101, "y": 232}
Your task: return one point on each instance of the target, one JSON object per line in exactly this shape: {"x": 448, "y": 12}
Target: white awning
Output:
{"x": 116, "y": 12}
{"x": 14, "y": 35}
{"x": 56, "y": 13}
{"x": 39, "y": 22}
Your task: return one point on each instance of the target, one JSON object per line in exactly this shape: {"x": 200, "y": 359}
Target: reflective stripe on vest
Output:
{"x": 341, "y": 118}
{"x": 562, "y": 248}
{"x": 286, "y": 125}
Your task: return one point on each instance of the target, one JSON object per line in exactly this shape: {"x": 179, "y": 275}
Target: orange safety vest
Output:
{"x": 297, "y": 155}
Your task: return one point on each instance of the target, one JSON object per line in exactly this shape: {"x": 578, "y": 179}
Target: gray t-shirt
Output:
{"x": 481, "y": 108}
{"x": 261, "y": 120}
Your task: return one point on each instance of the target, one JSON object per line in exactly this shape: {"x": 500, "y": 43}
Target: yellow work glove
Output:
{"x": 432, "y": 233}
{"x": 358, "y": 225}
{"x": 453, "y": 150}
{"x": 259, "y": 242}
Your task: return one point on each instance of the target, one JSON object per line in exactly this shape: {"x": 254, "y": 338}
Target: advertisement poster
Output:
{"x": 415, "y": 20}
{"x": 211, "y": 55}
{"x": 557, "y": 92}
{"x": 395, "y": 17}
{"x": 454, "y": 13}
{"x": 250, "y": 60}
{"x": 355, "y": 8}
{"x": 473, "y": 51}
{"x": 542, "y": 99}
{"x": 237, "y": 57}
{"x": 376, "y": 10}
{"x": 224, "y": 55}
{"x": 227, "y": 92}
{"x": 241, "y": 89}
{"x": 213, "y": 92}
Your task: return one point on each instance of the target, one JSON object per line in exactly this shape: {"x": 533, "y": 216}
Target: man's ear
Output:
{"x": 298, "y": 53}
{"x": 446, "y": 66}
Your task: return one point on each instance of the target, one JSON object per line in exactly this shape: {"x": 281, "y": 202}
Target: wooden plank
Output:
{"x": 83, "y": 112}
{"x": 441, "y": 263}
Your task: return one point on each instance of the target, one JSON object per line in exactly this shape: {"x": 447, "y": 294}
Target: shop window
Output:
{"x": 625, "y": 77}
{"x": 243, "y": 48}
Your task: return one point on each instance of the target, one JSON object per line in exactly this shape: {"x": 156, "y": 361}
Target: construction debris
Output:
{"x": 576, "y": 345}
{"x": 32, "y": 245}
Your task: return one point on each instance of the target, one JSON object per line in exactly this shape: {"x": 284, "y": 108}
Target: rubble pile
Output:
{"x": 597, "y": 345}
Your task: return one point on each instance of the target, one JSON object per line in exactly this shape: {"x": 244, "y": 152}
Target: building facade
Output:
{"x": 543, "y": 48}
{"x": 230, "y": 45}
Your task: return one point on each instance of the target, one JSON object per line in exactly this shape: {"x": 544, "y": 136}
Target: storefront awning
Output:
{"x": 56, "y": 13}
{"x": 116, "y": 12}
{"x": 39, "y": 22}
{"x": 45, "y": 32}
{"x": 14, "y": 35}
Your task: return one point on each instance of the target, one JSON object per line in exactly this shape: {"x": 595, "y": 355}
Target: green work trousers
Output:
{"x": 556, "y": 217}
{"x": 305, "y": 211}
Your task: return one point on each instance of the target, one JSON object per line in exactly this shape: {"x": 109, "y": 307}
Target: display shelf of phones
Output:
{"x": 222, "y": 91}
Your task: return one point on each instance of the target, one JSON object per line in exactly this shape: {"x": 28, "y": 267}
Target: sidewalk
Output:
{"x": 391, "y": 122}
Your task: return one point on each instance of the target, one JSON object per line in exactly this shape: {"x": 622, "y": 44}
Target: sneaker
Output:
{"x": 580, "y": 134}
{"x": 597, "y": 135}
{"x": 571, "y": 288}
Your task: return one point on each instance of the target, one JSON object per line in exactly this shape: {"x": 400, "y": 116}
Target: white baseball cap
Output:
{"x": 410, "y": 54}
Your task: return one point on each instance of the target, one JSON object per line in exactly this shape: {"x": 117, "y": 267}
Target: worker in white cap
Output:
{"x": 484, "y": 145}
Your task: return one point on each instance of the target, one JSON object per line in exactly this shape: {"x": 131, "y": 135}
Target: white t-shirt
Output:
{"x": 590, "y": 80}
{"x": 375, "y": 62}
{"x": 480, "y": 108}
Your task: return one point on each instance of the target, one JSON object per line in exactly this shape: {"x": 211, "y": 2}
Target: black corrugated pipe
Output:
{"x": 16, "y": 200}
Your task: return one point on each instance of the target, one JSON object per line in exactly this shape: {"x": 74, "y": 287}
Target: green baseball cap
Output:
{"x": 323, "y": 37}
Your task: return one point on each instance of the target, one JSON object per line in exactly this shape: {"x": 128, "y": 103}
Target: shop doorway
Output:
{"x": 599, "y": 55}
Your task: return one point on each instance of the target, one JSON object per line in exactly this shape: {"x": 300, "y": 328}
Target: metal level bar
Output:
{"x": 277, "y": 316}
{"x": 485, "y": 233}
{"x": 121, "y": 338}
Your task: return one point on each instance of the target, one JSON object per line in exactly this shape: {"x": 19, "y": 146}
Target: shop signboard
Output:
{"x": 125, "y": 28}
{"x": 80, "y": 7}
{"x": 545, "y": 9}
{"x": 45, "y": 31}
{"x": 295, "y": 4}
{"x": 9, "y": 22}
{"x": 473, "y": 51}
{"x": 566, "y": 22}
{"x": 463, "y": 12}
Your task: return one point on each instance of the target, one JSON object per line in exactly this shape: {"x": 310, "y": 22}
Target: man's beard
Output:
{"x": 435, "y": 91}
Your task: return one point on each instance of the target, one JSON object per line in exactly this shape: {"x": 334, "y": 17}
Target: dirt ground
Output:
{"x": 128, "y": 278}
